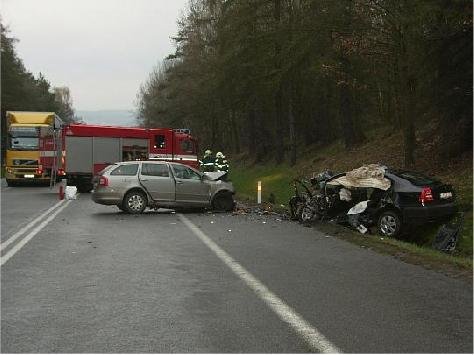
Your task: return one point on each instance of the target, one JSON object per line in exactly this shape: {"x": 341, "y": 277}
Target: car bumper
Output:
{"x": 426, "y": 214}
{"x": 106, "y": 197}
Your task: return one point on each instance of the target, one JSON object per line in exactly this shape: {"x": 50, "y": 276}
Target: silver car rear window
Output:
{"x": 125, "y": 170}
{"x": 107, "y": 168}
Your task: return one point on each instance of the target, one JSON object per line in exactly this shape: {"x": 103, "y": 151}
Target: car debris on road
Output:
{"x": 70, "y": 193}
{"x": 447, "y": 236}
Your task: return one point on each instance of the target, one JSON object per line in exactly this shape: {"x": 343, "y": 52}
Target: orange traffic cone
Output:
{"x": 61, "y": 192}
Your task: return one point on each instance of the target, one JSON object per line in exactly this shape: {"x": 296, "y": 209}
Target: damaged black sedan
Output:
{"x": 374, "y": 195}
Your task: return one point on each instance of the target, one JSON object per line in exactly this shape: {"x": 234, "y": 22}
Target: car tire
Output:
{"x": 223, "y": 202}
{"x": 134, "y": 202}
{"x": 389, "y": 224}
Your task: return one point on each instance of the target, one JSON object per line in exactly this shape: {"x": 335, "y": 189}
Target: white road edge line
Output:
{"x": 315, "y": 339}
{"x": 30, "y": 235}
{"x": 28, "y": 226}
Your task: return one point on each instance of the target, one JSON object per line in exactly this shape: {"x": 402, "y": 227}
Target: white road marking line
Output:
{"x": 28, "y": 226}
{"x": 315, "y": 339}
{"x": 30, "y": 235}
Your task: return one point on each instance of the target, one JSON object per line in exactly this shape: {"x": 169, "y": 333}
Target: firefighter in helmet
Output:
{"x": 221, "y": 162}
{"x": 207, "y": 162}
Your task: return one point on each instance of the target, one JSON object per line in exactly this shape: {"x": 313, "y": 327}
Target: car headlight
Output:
{"x": 16, "y": 162}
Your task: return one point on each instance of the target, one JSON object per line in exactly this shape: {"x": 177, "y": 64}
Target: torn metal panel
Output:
{"x": 345, "y": 195}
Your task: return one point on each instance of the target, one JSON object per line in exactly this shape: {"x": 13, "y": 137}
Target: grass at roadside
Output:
{"x": 462, "y": 179}
{"x": 275, "y": 181}
{"x": 458, "y": 266}
{"x": 276, "y": 188}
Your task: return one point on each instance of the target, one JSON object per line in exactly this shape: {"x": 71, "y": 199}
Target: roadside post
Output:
{"x": 259, "y": 192}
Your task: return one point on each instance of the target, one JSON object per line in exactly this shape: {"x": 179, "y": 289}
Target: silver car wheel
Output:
{"x": 135, "y": 202}
{"x": 388, "y": 225}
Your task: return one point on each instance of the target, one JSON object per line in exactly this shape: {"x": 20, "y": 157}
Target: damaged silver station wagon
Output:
{"x": 135, "y": 185}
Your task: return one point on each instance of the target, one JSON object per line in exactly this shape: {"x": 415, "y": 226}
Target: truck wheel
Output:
{"x": 10, "y": 182}
{"x": 389, "y": 224}
{"x": 84, "y": 188}
{"x": 223, "y": 202}
{"x": 134, "y": 202}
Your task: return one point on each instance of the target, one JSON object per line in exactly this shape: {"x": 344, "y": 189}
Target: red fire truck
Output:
{"x": 90, "y": 148}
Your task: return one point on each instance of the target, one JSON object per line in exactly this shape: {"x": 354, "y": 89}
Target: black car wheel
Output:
{"x": 296, "y": 204}
{"x": 223, "y": 202}
{"x": 134, "y": 202}
{"x": 389, "y": 224}
{"x": 293, "y": 204}
{"x": 306, "y": 214}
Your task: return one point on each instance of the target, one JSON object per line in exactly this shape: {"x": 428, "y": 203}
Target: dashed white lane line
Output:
{"x": 30, "y": 235}
{"x": 28, "y": 226}
{"x": 312, "y": 336}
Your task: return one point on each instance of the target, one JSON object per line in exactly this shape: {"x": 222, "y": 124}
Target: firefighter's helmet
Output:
{"x": 219, "y": 155}
{"x": 207, "y": 152}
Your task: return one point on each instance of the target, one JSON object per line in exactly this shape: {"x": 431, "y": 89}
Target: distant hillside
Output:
{"x": 108, "y": 117}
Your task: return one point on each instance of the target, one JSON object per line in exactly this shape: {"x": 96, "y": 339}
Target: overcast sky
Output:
{"x": 101, "y": 49}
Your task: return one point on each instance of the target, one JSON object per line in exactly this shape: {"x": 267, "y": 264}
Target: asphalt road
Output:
{"x": 90, "y": 279}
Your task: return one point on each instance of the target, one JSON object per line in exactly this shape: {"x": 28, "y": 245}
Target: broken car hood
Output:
{"x": 215, "y": 175}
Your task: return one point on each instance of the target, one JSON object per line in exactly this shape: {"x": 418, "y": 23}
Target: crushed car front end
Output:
{"x": 221, "y": 191}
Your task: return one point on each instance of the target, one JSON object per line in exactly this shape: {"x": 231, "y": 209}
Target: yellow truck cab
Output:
{"x": 24, "y": 129}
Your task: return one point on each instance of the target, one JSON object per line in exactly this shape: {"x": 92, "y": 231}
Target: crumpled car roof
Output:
{"x": 372, "y": 175}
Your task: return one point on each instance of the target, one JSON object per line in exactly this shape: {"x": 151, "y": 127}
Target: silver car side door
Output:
{"x": 157, "y": 180}
{"x": 190, "y": 187}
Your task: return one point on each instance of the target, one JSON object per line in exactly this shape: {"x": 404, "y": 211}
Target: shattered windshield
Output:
{"x": 24, "y": 138}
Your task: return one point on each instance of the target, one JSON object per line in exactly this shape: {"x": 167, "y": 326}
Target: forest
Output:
{"x": 22, "y": 91}
{"x": 266, "y": 77}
